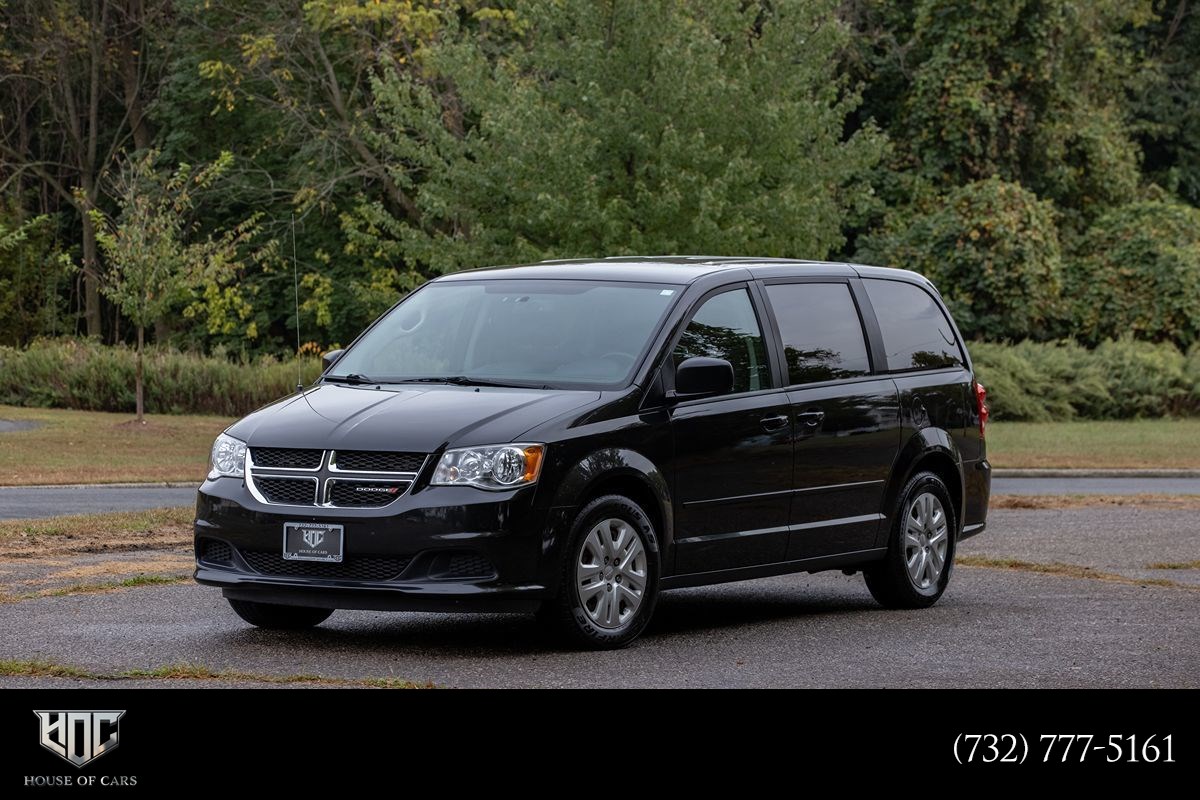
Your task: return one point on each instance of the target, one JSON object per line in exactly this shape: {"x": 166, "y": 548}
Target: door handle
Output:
{"x": 811, "y": 418}
{"x": 774, "y": 423}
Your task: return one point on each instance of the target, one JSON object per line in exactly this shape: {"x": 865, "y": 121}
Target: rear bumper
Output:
{"x": 977, "y": 490}
{"x": 442, "y": 549}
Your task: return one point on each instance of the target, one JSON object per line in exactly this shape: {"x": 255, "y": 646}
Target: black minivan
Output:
{"x": 571, "y": 438}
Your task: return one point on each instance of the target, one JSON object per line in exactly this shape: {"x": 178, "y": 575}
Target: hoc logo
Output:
{"x": 79, "y": 736}
{"x": 314, "y": 537}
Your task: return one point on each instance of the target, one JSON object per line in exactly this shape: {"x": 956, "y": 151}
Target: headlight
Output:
{"x": 500, "y": 466}
{"x": 228, "y": 457}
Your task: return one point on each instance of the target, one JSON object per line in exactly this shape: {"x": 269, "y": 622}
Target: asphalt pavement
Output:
{"x": 29, "y": 502}
{"x": 24, "y": 502}
{"x": 996, "y": 625}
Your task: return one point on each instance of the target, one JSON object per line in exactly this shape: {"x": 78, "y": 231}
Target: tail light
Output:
{"x": 981, "y": 408}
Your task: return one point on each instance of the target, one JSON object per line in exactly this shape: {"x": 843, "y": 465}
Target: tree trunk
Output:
{"x": 131, "y": 73}
{"x": 138, "y": 380}
{"x": 91, "y": 273}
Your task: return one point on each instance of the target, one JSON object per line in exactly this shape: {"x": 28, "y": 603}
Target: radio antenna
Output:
{"x": 296, "y": 299}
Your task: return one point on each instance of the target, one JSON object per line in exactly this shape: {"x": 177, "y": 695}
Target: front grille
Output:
{"x": 461, "y": 565}
{"x": 286, "y": 457}
{"x": 361, "y": 568}
{"x": 215, "y": 552}
{"x": 364, "y": 494}
{"x": 373, "y": 461}
{"x": 288, "y": 491}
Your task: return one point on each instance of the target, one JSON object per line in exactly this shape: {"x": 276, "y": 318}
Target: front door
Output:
{"x": 733, "y": 453}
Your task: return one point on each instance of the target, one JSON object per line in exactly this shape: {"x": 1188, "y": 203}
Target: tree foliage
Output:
{"x": 154, "y": 254}
{"x": 411, "y": 137}
{"x": 1138, "y": 273}
{"x": 993, "y": 247}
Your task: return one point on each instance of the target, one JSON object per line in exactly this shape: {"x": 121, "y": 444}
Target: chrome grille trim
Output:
{"x": 333, "y": 467}
{"x": 323, "y": 478}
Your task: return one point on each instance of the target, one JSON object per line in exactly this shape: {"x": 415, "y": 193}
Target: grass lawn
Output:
{"x": 1116, "y": 444}
{"x": 95, "y": 447}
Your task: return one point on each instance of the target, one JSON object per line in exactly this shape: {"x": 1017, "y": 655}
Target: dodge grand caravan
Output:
{"x": 573, "y": 438}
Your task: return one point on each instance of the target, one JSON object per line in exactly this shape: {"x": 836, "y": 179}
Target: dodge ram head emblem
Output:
{"x": 79, "y": 736}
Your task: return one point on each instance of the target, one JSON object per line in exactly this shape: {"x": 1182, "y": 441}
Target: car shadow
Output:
{"x": 679, "y": 613}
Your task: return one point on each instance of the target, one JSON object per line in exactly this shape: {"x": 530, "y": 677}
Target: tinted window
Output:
{"x": 726, "y": 327}
{"x": 544, "y": 332}
{"x": 822, "y": 337}
{"x": 916, "y": 334}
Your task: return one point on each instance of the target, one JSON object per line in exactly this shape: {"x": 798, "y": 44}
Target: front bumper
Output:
{"x": 433, "y": 549}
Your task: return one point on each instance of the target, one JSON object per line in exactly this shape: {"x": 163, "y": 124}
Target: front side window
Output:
{"x": 823, "y": 339}
{"x": 727, "y": 327}
{"x": 520, "y": 332}
{"x": 916, "y": 334}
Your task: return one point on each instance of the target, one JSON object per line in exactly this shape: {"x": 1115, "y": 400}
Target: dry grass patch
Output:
{"x": 1174, "y": 565}
{"x": 154, "y": 529}
{"x": 193, "y": 672}
{"x": 1066, "y": 571}
{"x": 1158, "y": 501}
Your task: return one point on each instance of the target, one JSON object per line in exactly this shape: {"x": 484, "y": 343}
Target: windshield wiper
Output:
{"x": 354, "y": 379}
{"x": 463, "y": 380}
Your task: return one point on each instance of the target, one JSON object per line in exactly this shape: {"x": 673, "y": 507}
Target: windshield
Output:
{"x": 518, "y": 332}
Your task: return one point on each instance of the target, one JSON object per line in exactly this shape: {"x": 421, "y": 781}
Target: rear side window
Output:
{"x": 916, "y": 334}
{"x": 823, "y": 339}
{"x": 727, "y": 327}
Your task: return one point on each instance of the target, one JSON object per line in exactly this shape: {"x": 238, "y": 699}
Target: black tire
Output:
{"x": 278, "y": 617}
{"x": 890, "y": 581}
{"x": 568, "y": 614}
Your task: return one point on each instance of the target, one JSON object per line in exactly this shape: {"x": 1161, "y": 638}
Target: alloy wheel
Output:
{"x": 926, "y": 539}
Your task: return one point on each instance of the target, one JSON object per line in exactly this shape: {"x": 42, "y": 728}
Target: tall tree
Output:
{"x": 69, "y": 113}
{"x": 1031, "y": 91}
{"x": 153, "y": 246}
{"x": 617, "y": 127}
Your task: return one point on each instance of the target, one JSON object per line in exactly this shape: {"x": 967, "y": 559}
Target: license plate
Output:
{"x": 312, "y": 541}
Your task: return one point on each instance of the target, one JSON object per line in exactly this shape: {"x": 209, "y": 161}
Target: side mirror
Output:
{"x": 328, "y": 359}
{"x": 702, "y": 377}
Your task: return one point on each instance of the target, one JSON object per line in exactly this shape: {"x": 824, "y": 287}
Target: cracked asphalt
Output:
{"x": 995, "y": 627}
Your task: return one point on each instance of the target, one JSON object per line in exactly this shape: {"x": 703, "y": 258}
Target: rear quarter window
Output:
{"x": 916, "y": 333}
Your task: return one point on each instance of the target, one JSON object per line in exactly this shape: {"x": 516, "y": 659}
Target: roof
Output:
{"x": 671, "y": 269}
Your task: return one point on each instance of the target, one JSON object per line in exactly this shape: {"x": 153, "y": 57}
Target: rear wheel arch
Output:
{"x": 930, "y": 450}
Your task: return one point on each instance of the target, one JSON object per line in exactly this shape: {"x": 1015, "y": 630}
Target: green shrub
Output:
{"x": 1138, "y": 273}
{"x": 1041, "y": 382}
{"x": 991, "y": 247}
{"x": 84, "y": 375}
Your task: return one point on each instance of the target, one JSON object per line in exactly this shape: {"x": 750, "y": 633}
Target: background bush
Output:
{"x": 1138, "y": 273}
{"x": 85, "y": 375}
{"x": 992, "y": 248}
{"x": 1033, "y": 381}
{"x": 1119, "y": 379}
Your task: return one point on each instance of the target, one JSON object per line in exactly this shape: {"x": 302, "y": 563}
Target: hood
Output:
{"x": 409, "y": 418}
